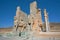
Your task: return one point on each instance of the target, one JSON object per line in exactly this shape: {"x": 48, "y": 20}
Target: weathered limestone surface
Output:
{"x": 20, "y": 20}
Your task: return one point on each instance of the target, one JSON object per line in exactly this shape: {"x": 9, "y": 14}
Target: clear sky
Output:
{"x": 8, "y": 10}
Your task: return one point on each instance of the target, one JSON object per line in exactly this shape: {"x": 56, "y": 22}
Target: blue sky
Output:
{"x": 8, "y": 10}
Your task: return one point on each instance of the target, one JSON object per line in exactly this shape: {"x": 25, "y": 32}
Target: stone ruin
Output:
{"x": 32, "y": 22}
{"x": 30, "y": 27}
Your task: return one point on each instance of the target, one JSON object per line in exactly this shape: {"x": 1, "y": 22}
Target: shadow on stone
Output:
{"x": 19, "y": 34}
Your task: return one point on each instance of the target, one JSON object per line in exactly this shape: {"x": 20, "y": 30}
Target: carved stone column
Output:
{"x": 46, "y": 21}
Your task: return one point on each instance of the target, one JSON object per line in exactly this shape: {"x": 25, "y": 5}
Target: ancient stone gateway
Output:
{"x": 33, "y": 20}
{"x": 31, "y": 27}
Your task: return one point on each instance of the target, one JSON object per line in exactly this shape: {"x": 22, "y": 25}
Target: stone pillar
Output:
{"x": 39, "y": 17}
{"x": 46, "y": 21}
{"x": 17, "y": 19}
{"x": 17, "y": 16}
{"x": 33, "y": 11}
{"x": 33, "y": 8}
